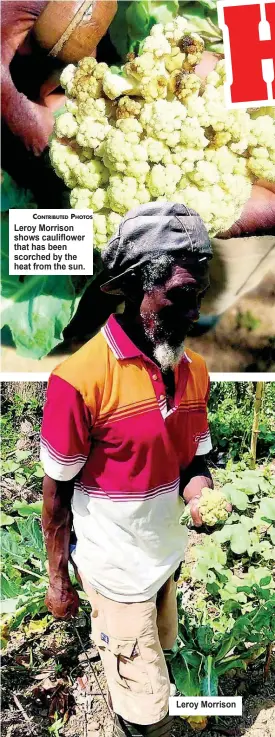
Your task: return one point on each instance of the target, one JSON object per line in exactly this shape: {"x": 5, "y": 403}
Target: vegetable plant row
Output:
{"x": 228, "y": 617}
{"x": 229, "y": 620}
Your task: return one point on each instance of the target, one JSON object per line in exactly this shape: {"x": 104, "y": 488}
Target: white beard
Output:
{"x": 167, "y": 356}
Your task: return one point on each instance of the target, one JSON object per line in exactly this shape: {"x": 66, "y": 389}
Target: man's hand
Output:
{"x": 62, "y": 599}
{"x": 40, "y": 126}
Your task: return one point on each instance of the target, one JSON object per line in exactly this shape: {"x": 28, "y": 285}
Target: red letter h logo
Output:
{"x": 249, "y": 41}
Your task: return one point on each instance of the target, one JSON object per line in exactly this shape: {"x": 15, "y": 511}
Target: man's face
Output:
{"x": 169, "y": 309}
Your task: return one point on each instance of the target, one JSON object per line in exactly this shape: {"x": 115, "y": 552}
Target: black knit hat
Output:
{"x": 149, "y": 231}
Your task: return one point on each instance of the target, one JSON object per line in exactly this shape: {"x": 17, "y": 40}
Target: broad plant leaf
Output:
{"x": 267, "y": 508}
{"x": 25, "y": 509}
{"x": 5, "y": 519}
{"x": 186, "y": 678}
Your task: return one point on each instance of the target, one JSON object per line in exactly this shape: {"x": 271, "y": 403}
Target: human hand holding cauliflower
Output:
{"x": 210, "y": 508}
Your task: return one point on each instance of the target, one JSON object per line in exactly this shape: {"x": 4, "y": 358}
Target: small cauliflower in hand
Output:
{"x": 212, "y": 506}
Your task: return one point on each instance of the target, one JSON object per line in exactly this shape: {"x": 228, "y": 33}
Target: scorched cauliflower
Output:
{"x": 154, "y": 132}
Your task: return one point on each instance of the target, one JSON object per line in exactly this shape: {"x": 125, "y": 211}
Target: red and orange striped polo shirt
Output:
{"x": 106, "y": 424}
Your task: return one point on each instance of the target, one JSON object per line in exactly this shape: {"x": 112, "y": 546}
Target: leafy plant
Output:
{"x": 17, "y": 467}
{"x": 134, "y": 20}
{"x": 202, "y": 655}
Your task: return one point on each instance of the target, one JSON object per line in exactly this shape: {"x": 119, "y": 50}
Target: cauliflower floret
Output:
{"x": 113, "y": 221}
{"x": 163, "y": 120}
{"x": 99, "y": 199}
{"x": 156, "y": 44}
{"x": 67, "y": 79}
{"x": 205, "y": 173}
{"x": 131, "y": 129}
{"x": 156, "y": 150}
{"x": 125, "y": 193}
{"x": 261, "y": 163}
{"x": 91, "y": 133}
{"x": 192, "y": 134}
{"x": 127, "y": 108}
{"x": 217, "y": 78}
{"x": 184, "y": 157}
{"x": 262, "y": 132}
{"x": 84, "y": 84}
{"x": 174, "y": 61}
{"x": 91, "y": 174}
{"x": 196, "y": 108}
{"x": 121, "y": 156}
{"x": 174, "y": 30}
{"x": 71, "y": 107}
{"x": 100, "y": 229}
{"x": 66, "y": 125}
{"x": 64, "y": 160}
{"x": 115, "y": 85}
{"x": 150, "y": 75}
{"x": 100, "y": 110}
{"x": 80, "y": 198}
{"x": 184, "y": 85}
{"x": 163, "y": 180}
{"x": 212, "y": 506}
{"x": 192, "y": 45}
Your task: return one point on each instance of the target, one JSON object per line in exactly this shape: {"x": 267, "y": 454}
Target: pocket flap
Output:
{"x": 125, "y": 648}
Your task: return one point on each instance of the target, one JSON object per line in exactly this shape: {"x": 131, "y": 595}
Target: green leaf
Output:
{"x": 239, "y": 540}
{"x": 265, "y": 581}
{"x": 191, "y": 657}
{"x": 9, "y": 589}
{"x": 5, "y": 519}
{"x": 239, "y": 499}
{"x": 39, "y": 471}
{"x": 186, "y": 679}
{"x": 8, "y": 606}
{"x": 204, "y": 636}
{"x": 235, "y": 663}
{"x": 267, "y": 508}
{"x": 22, "y": 455}
{"x": 25, "y": 509}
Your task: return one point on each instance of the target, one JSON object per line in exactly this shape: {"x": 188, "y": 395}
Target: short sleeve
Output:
{"x": 205, "y": 444}
{"x": 65, "y": 432}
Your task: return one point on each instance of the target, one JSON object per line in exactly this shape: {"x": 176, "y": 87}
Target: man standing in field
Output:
{"x": 124, "y": 435}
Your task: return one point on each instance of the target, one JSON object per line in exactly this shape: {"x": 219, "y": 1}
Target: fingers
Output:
{"x": 207, "y": 64}
{"x": 258, "y": 214}
{"x": 194, "y": 509}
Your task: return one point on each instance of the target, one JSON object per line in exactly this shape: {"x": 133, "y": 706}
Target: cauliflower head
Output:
{"x": 155, "y": 132}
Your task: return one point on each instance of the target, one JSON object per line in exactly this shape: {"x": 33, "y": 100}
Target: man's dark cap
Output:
{"x": 149, "y": 231}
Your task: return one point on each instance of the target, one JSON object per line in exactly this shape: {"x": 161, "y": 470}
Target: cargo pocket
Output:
{"x": 123, "y": 663}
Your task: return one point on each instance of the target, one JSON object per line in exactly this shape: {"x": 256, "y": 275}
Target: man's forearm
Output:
{"x": 196, "y": 477}
{"x": 56, "y": 523}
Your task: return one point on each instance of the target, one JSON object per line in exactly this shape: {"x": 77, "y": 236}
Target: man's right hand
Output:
{"x": 62, "y": 600}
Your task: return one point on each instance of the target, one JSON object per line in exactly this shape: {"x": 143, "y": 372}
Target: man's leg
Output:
{"x": 127, "y": 638}
{"x": 167, "y": 614}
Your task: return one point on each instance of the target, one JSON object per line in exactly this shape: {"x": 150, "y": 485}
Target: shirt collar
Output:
{"x": 121, "y": 345}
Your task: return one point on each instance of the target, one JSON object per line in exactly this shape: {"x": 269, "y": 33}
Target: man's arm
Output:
{"x": 61, "y": 599}
{"x": 192, "y": 480}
